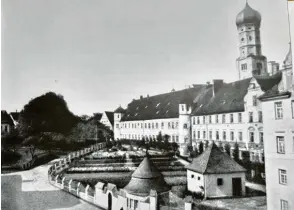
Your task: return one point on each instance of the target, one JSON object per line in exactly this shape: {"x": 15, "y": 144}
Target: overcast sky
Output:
{"x": 99, "y": 54}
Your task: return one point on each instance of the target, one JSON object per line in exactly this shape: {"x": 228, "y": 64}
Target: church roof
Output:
{"x": 228, "y": 98}
{"x": 267, "y": 82}
{"x": 248, "y": 15}
{"x": 214, "y": 161}
{"x": 146, "y": 178}
{"x": 161, "y": 106}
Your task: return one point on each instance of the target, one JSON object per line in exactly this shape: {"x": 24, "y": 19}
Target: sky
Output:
{"x": 101, "y": 54}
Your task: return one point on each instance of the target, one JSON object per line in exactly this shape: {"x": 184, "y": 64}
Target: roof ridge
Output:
{"x": 210, "y": 148}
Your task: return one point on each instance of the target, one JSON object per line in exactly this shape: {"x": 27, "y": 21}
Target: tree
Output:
{"x": 206, "y": 144}
{"x": 159, "y": 138}
{"x": 228, "y": 149}
{"x": 33, "y": 142}
{"x": 166, "y": 142}
{"x": 46, "y": 113}
{"x": 201, "y": 148}
{"x": 236, "y": 152}
{"x": 12, "y": 140}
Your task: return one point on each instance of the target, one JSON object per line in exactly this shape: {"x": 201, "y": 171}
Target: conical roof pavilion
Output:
{"x": 145, "y": 178}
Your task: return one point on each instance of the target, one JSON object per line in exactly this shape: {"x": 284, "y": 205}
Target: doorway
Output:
{"x": 237, "y": 186}
{"x": 109, "y": 201}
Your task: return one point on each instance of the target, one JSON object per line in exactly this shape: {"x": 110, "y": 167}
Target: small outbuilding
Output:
{"x": 215, "y": 174}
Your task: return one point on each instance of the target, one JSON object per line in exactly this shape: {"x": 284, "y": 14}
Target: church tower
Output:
{"x": 251, "y": 61}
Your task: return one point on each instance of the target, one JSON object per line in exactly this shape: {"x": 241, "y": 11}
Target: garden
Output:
{"x": 117, "y": 167}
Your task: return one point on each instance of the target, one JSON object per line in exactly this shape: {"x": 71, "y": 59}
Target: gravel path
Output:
{"x": 30, "y": 190}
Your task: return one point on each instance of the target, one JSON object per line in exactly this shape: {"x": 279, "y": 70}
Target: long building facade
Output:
{"x": 220, "y": 112}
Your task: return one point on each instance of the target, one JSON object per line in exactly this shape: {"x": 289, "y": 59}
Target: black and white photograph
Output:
{"x": 147, "y": 105}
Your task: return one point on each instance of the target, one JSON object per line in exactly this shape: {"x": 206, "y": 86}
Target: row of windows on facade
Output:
{"x": 132, "y": 204}
{"x": 224, "y": 136}
{"x": 170, "y": 125}
{"x": 196, "y": 120}
{"x": 173, "y": 138}
{"x": 279, "y": 109}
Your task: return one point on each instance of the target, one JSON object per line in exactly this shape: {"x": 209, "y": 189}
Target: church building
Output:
{"x": 218, "y": 112}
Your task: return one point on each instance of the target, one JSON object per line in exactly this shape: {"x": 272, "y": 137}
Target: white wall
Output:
{"x": 104, "y": 120}
{"x": 275, "y": 161}
{"x": 137, "y": 129}
{"x": 194, "y": 181}
{"x": 213, "y": 190}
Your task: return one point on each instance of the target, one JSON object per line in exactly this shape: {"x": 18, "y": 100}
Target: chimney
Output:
{"x": 141, "y": 97}
{"x": 217, "y": 84}
{"x": 148, "y": 96}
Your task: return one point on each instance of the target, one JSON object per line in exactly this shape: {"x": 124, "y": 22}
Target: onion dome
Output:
{"x": 267, "y": 82}
{"x": 146, "y": 178}
{"x": 248, "y": 15}
{"x": 119, "y": 110}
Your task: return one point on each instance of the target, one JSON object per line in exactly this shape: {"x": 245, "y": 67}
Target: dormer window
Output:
{"x": 157, "y": 104}
{"x": 146, "y": 107}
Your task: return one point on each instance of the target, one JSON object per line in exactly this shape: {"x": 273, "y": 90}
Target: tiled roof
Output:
{"x": 5, "y": 118}
{"x": 160, "y": 106}
{"x": 228, "y": 98}
{"x": 110, "y": 116}
{"x": 214, "y": 161}
{"x": 146, "y": 178}
{"x": 119, "y": 110}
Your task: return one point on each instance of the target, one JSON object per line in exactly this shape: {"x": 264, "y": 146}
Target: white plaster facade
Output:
{"x": 279, "y": 156}
{"x": 208, "y": 184}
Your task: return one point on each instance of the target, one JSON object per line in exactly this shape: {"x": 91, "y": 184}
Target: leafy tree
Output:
{"x": 12, "y": 140}
{"x": 236, "y": 152}
{"x": 46, "y": 113}
{"x": 201, "y": 148}
{"x": 159, "y": 138}
{"x": 228, "y": 149}
{"x": 206, "y": 144}
{"x": 33, "y": 142}
{"x": 166, "y": 143}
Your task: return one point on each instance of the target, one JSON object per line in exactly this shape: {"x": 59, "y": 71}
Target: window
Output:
{"x": 242, "y": 39}
{"x": 210, "y": 135}
{"x": 162, "y": 125}
{"x": 250, "y": 117}
{"x": 292, "y": 107}
{"x": 203, "y": 119}
{"x": 219, "y": 181}
{"x": 284, "y": 205}
{"x": 281, "y": 144}
{"x": 193, "y": 120}
{"x": 282, "y": 176}
{"x": 251, "y": 137}
{"x": 117, "y": 125}
{"x": 194, "y": 135}
{"x": 240, "y": 136}
{"x": 185, "y": 126}
{"x": 217, "y": 135}
{"x": 177, "y": 138}
{"x": 216, "y": 118}
{"x": 173, "y": 125}
{"x": 224, "y": 118}
{"x": 198, "y": 177}
{"x": 224, "y": 135}
{"x": 177, "y": 124}
{"x": 259, "y": 65}
{"x": 168, "y": 124}
{"x": 260, "y": 116}
{"x": 135, "y": 204}
{"x": 250, "y": 38}
{"x": 209, "y": 119}
{"x": 232, "y": 118}
{"x": 156, "y": 125}
{"x": 244, "y": 65}
{"x": 198, "y": 120}
{"x": 198, "y": 134}
{"x": 149, "y": 125}
{"x": 192, "y": 176}
{"x": 232, "y": 135}
{"x": 240, "y": 117}
{"x": 183, "y": 108}
{"x": 254, "y": 100}
{"x": 261, "y": 137}
{"x": 204, "y": 135}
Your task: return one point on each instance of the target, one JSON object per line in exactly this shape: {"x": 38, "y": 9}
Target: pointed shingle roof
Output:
{"x": 214, "y": 161}
{"x": 110, "y": 116}
{"x": 146, "y": 178}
